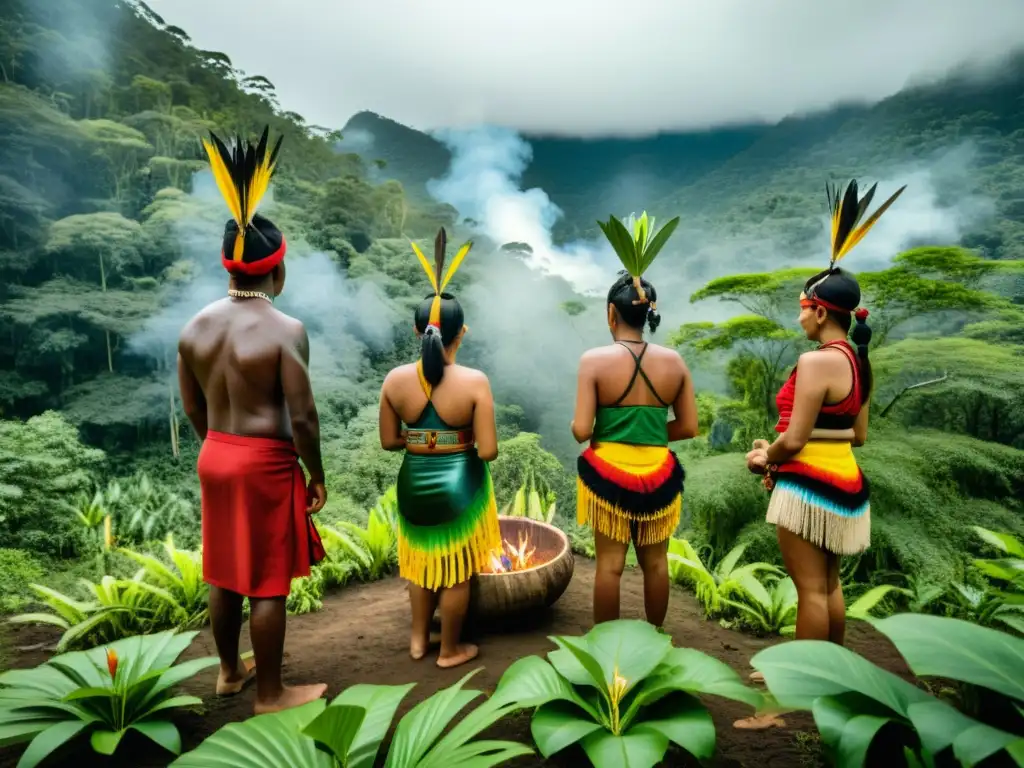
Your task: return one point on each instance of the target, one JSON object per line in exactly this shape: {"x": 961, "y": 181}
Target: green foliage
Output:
{"x": 350, "y": 730}
{"x": 623, "y": 693}
{"x": 532, "y": 500}
{"x": 714, "y": 585}
{"x": 523, "y": 458}
{"x": 852, "y": 700}
{"x": 42, "y": 462}
{"x": 18, "y": 569}
{"x": 983, "y": 395}
{"x": 635, "y": 241}
{"x": 102, "y": 693}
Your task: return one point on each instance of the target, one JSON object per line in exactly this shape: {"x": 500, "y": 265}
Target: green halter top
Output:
{"x": 633, "y": 424}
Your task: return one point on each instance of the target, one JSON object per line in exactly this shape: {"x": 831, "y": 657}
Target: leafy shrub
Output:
{"x": 349, "y": 732}
{"x": 623, "y": 693}
{"x": 852, "y": 700}
{"x": 42, "y": 462}
{"x": 103, "y": 693}
{"x": 18, "y": 569}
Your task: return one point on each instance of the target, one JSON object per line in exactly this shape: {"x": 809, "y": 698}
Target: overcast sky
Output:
{"x": 591, "y": 67}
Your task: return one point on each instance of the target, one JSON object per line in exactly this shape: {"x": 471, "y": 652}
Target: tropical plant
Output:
{"x": 348, "y": 732}
{"x": 533, "y": 500}
{"x": 373, "y": 549}
{"x": 182, "y": 578}
{"x": 119, "y": 608}
{"x": 633, "y": 241}
{"x": 306, "y": 595}
{"x": 623, "y": 693}
{"x": 768, "y": 609}
{"x": 103, "y": 693}
{"x": 724, "y": 580}
{"x": 852, "y": 700}
{"x": 1003, "y": 604}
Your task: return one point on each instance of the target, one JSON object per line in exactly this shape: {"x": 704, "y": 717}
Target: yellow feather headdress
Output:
{"x": 847, "y": 211}
{"x": 434, "y": 274}
{"x": 243, "y": 175}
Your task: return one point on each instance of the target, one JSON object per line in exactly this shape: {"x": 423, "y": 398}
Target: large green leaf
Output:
{"x": 574, "y": 662}
{"x": 655, "y": 245}
{"x": 629, "y": 647}
{"x": 634, "y": 750}
{"x": 264, "y": 741}
{"x": 681, "y": 719}
{"x": 380, "y": 703}
{"x": 46, "y": 742}
{"x": 421, "y": 726}
{"x": 848, "y": 723}
{"x": 1004, "y": 542}
{"x": 531, "y": 682}
{"x": 940, "y": 726}
{"x": 800, "y": 671}
{"x": 958, "y": 650}
{"x": 336, "y": 728}
{"x": 558, "y": 725}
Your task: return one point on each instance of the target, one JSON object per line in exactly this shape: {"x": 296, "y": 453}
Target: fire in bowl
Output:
{"x": 529, "y": 573}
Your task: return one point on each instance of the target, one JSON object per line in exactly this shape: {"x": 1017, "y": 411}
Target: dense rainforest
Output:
{"x": 109, "y": 232}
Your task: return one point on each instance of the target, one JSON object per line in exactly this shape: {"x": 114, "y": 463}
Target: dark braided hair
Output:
{"x": 622, "y": 296}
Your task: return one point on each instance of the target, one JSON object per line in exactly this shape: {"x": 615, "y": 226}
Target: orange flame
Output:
{"x": 519, "y": 558}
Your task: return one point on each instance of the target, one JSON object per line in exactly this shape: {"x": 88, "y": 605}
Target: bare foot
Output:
{"x": 417, "y": 649}
{"x": 757, "y": 678}
{"x": 291, "y": 696}
{"x": 228, "y": 684}
{"x": 759, "y": 723}
{"x": 463, "y": 652}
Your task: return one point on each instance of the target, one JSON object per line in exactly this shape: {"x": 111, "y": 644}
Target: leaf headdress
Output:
{"x": 242, "y": 173}
{"x": 439, "y": 279}
{"x": 635, "y": 246}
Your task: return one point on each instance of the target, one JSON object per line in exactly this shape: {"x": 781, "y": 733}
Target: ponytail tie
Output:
{"x": 861, "y": 315}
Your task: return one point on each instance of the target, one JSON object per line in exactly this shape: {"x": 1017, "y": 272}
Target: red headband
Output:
{"x": 258, "y": 267}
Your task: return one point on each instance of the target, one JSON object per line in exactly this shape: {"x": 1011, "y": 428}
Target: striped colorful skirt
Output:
{"x": 447, "y": 518}
{"x": 822, "y": 496}
{"x": 629, "y": 492}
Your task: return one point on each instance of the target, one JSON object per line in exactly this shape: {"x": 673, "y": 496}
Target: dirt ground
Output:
{"x": 361, "y": 636}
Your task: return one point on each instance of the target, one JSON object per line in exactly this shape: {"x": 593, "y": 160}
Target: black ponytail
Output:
{"x": 432, "y": 356}
{"x": 435, "y": 340}
{"x": 862, "y": 338}
{"x": 653, "y": 319}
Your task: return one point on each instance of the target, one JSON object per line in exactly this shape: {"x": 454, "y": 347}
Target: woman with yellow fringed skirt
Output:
{"x": 630, "y": 483}
{"x": 448, "y": 519}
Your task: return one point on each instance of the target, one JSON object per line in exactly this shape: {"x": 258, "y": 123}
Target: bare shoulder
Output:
{"x": 470, "y": 376}
{"x": 815, "y": 360}
{"x": 399, "y": 372}
{"x": 291, "y": 327}
{"x": 666, "y": 353}
{"x": 595, "y": 355}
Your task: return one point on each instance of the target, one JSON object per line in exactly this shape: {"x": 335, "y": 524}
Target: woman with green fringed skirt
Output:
{"x": 448, "y": 519}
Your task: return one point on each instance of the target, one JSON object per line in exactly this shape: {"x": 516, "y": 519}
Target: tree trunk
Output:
{"x": 175, "y": 450}
{"x": 103, "y": 285}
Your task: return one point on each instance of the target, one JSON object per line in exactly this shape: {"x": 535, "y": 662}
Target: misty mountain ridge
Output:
{"x": 738, "y": 176}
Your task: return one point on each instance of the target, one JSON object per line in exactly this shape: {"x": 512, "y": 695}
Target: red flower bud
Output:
{"x": 112, "y": 662}
{"x": 861, "y": 314}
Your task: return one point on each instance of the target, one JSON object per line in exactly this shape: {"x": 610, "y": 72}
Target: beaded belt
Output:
{"x": 439, "y": 440}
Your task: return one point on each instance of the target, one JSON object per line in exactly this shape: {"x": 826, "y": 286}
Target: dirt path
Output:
{"x": 361, "y": 636}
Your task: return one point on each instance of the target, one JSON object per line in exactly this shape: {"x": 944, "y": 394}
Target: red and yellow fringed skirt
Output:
{"x": 822, "y": 496}
{"x": 629, "y": 492}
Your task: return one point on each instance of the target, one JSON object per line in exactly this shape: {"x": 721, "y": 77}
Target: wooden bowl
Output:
{"x": 498, "y": 595}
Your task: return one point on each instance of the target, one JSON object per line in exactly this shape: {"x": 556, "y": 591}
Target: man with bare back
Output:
{"x": 243, "y": 371}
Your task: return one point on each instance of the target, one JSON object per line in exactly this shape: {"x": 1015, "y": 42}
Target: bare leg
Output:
{"x": 226, "y": 621}
{"x": 454, "y": 601}
{"x": 653, "y": 560}
{"x": 423, "y": 603}
{"x": 267, "y": 627}
{"x": 808, "y": 566}
{"x": 836, "y": 605}
{"x": 611, "y": 561}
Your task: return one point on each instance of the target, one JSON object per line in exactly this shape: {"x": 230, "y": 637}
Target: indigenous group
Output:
{"x": 243, "y": 369}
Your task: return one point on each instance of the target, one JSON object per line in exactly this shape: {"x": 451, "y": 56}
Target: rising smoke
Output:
{"x": 516, "y": 302}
